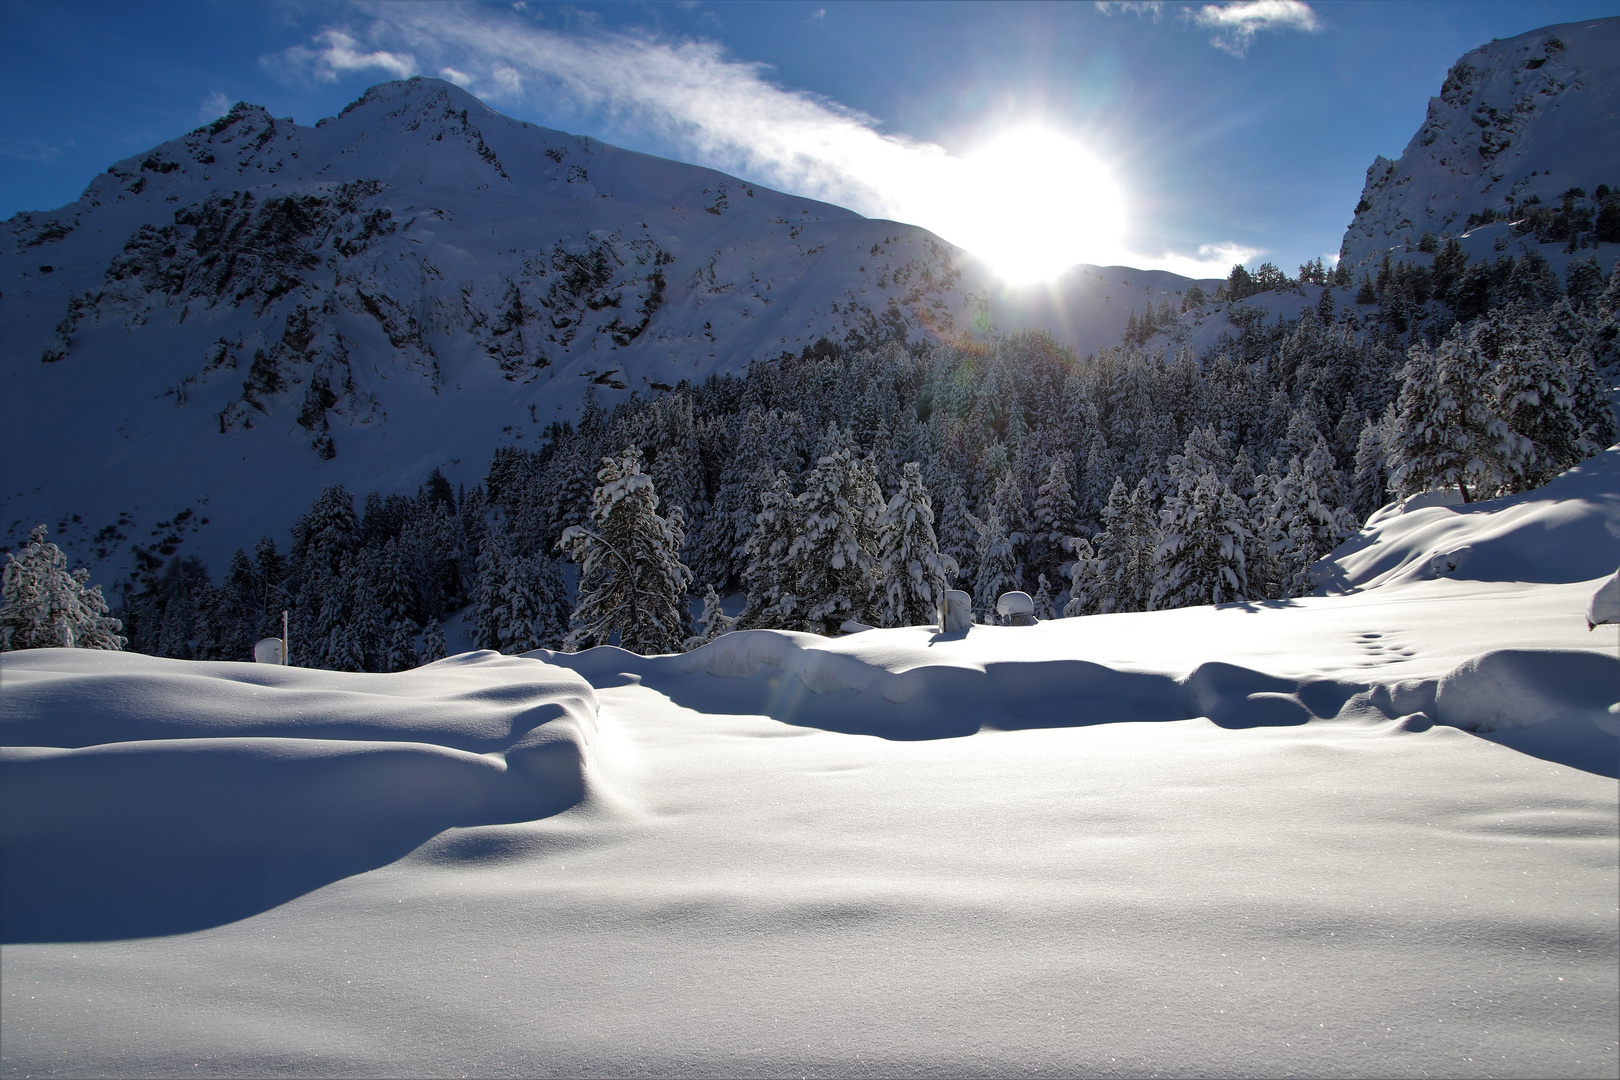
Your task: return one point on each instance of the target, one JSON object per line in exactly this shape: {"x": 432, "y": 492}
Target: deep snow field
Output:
{"x": 1371, "y": 832}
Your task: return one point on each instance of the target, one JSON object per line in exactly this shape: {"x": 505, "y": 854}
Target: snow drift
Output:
{"x": 142, "y": 795}
{"x": 1565, "y": 531}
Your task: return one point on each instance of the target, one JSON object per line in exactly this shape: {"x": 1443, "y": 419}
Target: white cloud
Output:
{"x": 460, "y": 78}
{"x": 1236, "y": 23}
{"x": 1136, "y": 7}
{"x": 213, "y": 107}
{"x": 336, "y": 53}
{"x": 1212, "y": 260}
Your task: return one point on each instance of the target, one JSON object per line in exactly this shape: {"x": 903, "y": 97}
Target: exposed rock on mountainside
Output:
{"x": 1518, "y": 122}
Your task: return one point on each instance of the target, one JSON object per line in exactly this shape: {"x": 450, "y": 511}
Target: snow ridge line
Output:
{"x": 793, "y": 677}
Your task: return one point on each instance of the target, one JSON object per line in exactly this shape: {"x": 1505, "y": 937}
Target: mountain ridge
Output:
{"x": 267, "y": 307}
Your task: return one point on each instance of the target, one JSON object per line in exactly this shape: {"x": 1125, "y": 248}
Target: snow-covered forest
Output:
{"x": 1147, "y": 476}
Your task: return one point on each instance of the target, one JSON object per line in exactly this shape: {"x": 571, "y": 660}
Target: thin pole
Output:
{"x": 285, "y": 659}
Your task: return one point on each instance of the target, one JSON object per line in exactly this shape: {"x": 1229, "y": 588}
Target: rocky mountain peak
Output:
{"x": 1528, "y": 117}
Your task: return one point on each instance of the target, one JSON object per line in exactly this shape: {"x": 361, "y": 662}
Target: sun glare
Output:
{"x": 1031, "y": 203}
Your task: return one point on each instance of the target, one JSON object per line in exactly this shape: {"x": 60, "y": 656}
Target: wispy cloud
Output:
{"x": 728, "y": 114}
{"x": 213, "y": 107}
{"x": 1153, "y": 8}
{"x": 35, "y": 151}
{"x": 1234, "y": 22}
{"x": 334, "y": 53}
{"x": 1212, "y": 260}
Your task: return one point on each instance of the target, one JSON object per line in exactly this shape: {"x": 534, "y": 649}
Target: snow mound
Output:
{"x": 1519, "y": 688}
{"x": 144, "y": 796}
{"x": 1565, "y": 531}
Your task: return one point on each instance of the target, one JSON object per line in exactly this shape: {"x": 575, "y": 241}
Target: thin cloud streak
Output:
{"x": 1235, "y": 22}
{"x": 724, "y": 113}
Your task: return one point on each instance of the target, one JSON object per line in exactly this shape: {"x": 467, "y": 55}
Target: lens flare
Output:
{"x": 1031, "y": 202}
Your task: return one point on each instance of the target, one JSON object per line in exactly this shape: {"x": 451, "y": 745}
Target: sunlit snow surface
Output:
{"x": 1368, "y": 833}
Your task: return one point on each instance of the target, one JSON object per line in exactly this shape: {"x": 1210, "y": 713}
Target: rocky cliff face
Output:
{"x": 1524, "y": 118}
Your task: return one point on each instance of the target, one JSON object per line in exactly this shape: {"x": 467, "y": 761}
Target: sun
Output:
{"x": 1031, "y": 202}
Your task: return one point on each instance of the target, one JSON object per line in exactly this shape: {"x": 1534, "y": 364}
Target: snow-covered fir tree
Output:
{"x": 1121, "y": 570}
{"x": 832, "y": 555}
{"x": 998, "y": 569}
{"x": 712, "y": 622}
{"x": 773, "y": 597}
{"x": 1202, "y": 554}
{"x": 632, "y": 584}
{"x": 912, "y": 573}
{"x": 1054, "y": 517}
{"x": 48, "y": 607}
{"x": 1310, "y": 517}
{"x": 433, "y": 643}
{"x": 1446, "y": 433}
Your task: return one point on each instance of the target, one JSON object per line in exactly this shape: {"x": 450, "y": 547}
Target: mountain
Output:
{"x": 1518, "y": 122}
{"x": 223, "y": 325}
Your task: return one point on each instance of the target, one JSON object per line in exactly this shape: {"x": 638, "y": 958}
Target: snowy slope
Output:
{"x": 1363, "y": 834}
{"x": 233, "y": 320}
{"x": 1526, "y": 116}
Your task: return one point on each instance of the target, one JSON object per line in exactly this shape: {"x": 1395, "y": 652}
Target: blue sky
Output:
{"x": 1153, "y": 134}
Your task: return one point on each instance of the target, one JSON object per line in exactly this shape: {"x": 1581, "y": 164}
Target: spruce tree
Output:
{"x": 1307, "y": 505}
{"x": 632, "y": 584}
{"x": 1201, "y": 556}
{"x": 712, "y": 623}
{"x": 48, "y": 607}
{"x": 998, "y": 569}
{"x": 833, "y": 554}
{"x": 1446, "y": 433}
{"x": 912, "y": 574}
{"x": 773, "y": 598}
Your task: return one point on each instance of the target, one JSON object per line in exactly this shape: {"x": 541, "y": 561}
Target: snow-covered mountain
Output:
{"x": 225, "y": 324}
{"x": 1523, "y": 118}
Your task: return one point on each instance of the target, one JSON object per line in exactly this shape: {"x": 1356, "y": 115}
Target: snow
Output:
{"x": 1371, "y": 832}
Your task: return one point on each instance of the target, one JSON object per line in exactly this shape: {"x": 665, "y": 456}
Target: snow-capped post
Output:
{"x": 268, "y": 651}
{"x": 1016, "y": 608}
{"x": 958, "y": 612}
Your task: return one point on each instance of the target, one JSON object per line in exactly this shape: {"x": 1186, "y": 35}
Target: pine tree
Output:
{"x": 1446, "y": 433}
{"x": 1123, "y": 568}
{"x": 632, "y": 584}
{"x": 912, "y": 574}
{"x": 1055, "y": 517}
{"x": 1307, "y": 506}
{"x": 1370, "y": 487}
{"x": 1084, "y": 578}
{"x": 1045, "y": 608}
{"x": 998, "y": 569}
{"x": 433, "y": 644}
{"x": 773, "y": 598}
{"x": 833, "y": 553}
{"x": 48, "y": 607}
{"x": 1202, "y": 550}
{"x": 712, "y": 623}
